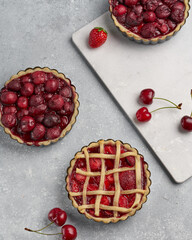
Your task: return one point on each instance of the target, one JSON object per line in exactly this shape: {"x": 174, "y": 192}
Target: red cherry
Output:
{"x": 8, "y": 97}
{"x": 27, "y": 89}
{"x": 119, "y": 10}
{"x": 9, "y": 110}
{"x": 53, "y": 133}
{"x": 34, "y": 111}
{"x": 186, "y": 123}
{"x": 66, "y": 92}
{"x": 27, "y": 124}
{"x": 58, "y": 216}
{"x": 130, "y": 2}
{"x": 143, "y": 115}
{"x": 56, "y": 102}
{"x": 69, "y": 232}
{"x": 64, "y": 121}
{"x": 36, "y": 100}
{"x": 9, "y": 120}
{"x": 22, "y": 102}
{"x": 39, "y": 77}
{"x": 146, "y": 96}
{"x": 163, "y": 11}
{"x": 177, "y": 15}
{"x": 21, "y": 113}
{"x": 51, "y": 119}
{"x": 38, "y": 132}
{"x": 52, "y": 85}
{"x": 149, "y": 16}
{"x": 26, "y": 79}
{"x": 14, "y": 85}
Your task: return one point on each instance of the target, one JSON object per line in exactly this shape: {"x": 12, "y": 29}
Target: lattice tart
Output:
{"x": 38, "y": 106}
{"x": 108, "y": 181}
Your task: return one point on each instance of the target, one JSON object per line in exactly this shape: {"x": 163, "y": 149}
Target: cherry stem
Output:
{"x": 179, "y": 107}
{"x": 29, "y": 230}
{"x": 166, "y": 100}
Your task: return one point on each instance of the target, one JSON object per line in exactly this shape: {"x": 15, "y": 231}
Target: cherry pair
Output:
{"x": 143, "y": 115}
{"x": 59, "y": 217}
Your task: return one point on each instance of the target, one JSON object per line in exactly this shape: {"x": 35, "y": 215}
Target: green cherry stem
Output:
{"x": 177, "y": 106}
{"x": 27, "y": 229}
{"x": 50, "y": 234}
{"x": 167, "y": 100}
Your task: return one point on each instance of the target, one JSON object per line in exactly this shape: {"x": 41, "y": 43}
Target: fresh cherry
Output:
{"x": 146, "y": 96}
{"x": 186, "y": 123}
{"x": 58, "y": 216}
{"x": 143, "y": 115}
{"x": 69, "y": 232}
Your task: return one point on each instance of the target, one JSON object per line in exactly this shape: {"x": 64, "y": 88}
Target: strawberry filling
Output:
{"x": 149, "y": 18}
{"x": 127, "y": 180}
{"x": 37, "y": 107}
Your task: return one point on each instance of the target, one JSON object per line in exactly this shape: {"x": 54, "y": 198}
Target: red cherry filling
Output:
{"x": 143, "y": 17}
{"x": 127, "y": 180}
{"x": 37, "y": 106}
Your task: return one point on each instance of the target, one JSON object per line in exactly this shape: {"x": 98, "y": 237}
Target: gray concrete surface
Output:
{"x": 32, "y": 180}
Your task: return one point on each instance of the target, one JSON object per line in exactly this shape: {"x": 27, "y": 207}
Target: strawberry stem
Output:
{"x": 101, "y": 29}
{"x": 166, "y": 100}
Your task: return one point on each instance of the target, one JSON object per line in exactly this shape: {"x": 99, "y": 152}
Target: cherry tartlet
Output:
{"x": 108, "y": 181}
{"x": 149, "y": 21}
{"x": 38, "y": 106}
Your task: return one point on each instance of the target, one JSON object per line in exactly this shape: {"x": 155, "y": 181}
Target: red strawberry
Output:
{"x": 97, "y": 37}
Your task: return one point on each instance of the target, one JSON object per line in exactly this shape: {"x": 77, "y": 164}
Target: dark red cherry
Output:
{"x": 177, "y": 15}
{"x": 66, "y": 92}
{"x": 22, "y": 102}
{"x": 27, "y": 124}
{"x": 27, "y": 89}
{"x": 69, "y": 232}
{"x": 143, "y": 115}
{"x": 149, "y": 16}
{"x": 119, "y": 10}
{"x": 40, "y": 109}
{"x": 64, "y": 121}
{"x": 56, "y": 102}
{"x": 21, "y": 113}
{"x": 58, "y": 216}
{"x": 186, "y": 123}
{"x": 130, "y": 2}
{"x": 38, "y": 132}
{"x": 163, "y": 11}
{"x": 9, "y": 110}
{"x": 39, "y": 77}
{"x": 149, "y": 30}
{"x": 52, "y": 85}
{"x": 179, "y": 5}
{"x": 14, "y": 85}
{"x": 133, "y": 19}
{"x": 146, "y": 96}
{"x": 36, "y": 100}
{"x": 53, "y": 133}
{"x": 9, "y": 120}
{"x": 8, "y": 97}
{"x": 51, "y": 119}
{"x": 26, "y": 79}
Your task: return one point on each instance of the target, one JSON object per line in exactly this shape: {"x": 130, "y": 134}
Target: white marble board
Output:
{"x": 127, "y": 67}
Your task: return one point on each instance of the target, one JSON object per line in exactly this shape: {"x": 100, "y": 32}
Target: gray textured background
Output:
{"x": 32, "y": 180}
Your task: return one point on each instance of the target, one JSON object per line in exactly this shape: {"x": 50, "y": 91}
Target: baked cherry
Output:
{"x": 11, "y": 110}
{"x": 39, "y": 77}
{"x": 9, "y": 120}
{"x": 130, "y": 2}
{"x": 51, "y": 119}
{"x": 36, "y": 100}
{"x": 53, "y": 133}
{"x": 66, "y": 92}
{"x": 143, "y": 115}
{"x": 14, "y": 85}
{"x": 26, "y": 79}
{"x": 69, "y": 232}
{"x": 51, "y": 85}
{"x": 8, "y": 97}
{"x": 149, "y": 16}
{"x": 38, "y": 110}
{"x": 119, "y": 10}
{"x": 22, "y": 102}
{"x": 27, "y": 89}
{"x": 56, "y": 102}
{"x": 58, "y": 216}
{"x": 21, "y": 113}
{"x": 177, "y": 15}
{"x": 38, "y": 132}
{"x": 163, "y": 11}
{"x": 27, "y": 124}
{"x": 146, "y": 96}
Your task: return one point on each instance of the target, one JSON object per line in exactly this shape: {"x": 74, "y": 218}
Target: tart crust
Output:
{"x": 139, "y": 192}
{"x": 160, "y": 39}
{"x": 73, "y": 118}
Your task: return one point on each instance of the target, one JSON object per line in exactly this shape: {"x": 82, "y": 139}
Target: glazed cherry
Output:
{"x": 39, "y": 77}
{"x": 27, "y": 89}
{"x": 14, "y": 85}
{"x": 149, "y": 16}
{"x": 9, "y": 120}
{"x": 66, "y": 92}
{"x": 58, "y": 216}
{"x": 119, "y": 10}
{"x": 8, "y": 97}
{"x": 143, "y": 115}
{"x": 69, "y": 232}
{"x": 53, "y": 133}
{"x": 36, "y": 100}
{"x": 130, "y": 2}
{"x": 11, "y": 110}
{"x": 56, "y": 102}
{"x": 52, "y": 85}
{"x": 27, "y": 124}
{"x": 186, "y": 123}
{"x": 146, "y": 96}
{"x": 22, "y": 102}
{"x": 38, "y": 132}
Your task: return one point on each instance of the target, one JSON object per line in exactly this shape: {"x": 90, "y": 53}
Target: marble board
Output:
{"x": 126, "y": 67}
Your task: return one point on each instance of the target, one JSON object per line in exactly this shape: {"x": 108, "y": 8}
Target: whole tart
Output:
{"x": 38, "y": 106}
{"x": 108, "y": 181}
{"x": 149, "y": 21}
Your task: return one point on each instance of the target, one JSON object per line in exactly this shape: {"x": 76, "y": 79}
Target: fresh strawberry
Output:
{"x": 97, "y": 37}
